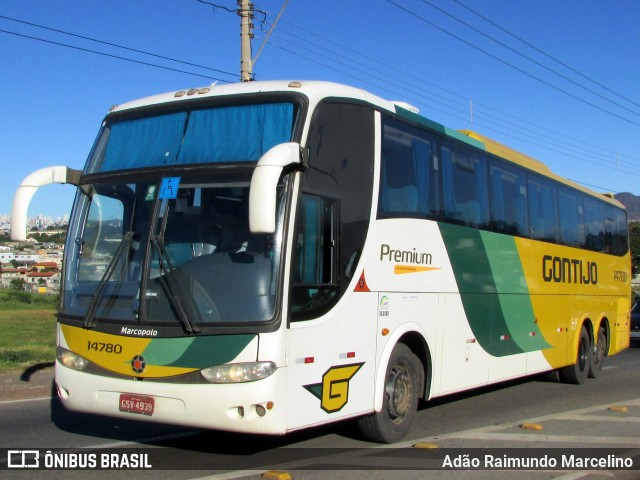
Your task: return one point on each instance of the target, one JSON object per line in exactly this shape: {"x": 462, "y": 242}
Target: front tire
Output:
{"x": 578, "y": 372}
{"x": 403, "y": 387}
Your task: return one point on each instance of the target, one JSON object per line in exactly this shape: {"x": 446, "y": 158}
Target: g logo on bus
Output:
{"x": 333, "y": 392}
{"x": 138, "y": 364}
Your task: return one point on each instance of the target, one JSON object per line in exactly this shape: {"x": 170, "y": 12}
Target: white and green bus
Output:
{"x": 270, "y": 256}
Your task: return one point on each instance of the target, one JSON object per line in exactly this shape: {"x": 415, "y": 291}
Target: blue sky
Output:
{"x": 580, "y": 115}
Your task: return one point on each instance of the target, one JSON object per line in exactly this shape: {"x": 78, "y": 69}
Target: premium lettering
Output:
{"x": 405, "y": 256}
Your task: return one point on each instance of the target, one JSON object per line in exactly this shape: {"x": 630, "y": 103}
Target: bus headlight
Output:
{"x": 71, "y": 360}
{"x": 238, "y": 372}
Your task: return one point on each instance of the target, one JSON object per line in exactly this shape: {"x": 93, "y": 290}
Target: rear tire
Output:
{"x": 578, "y": 372}
{"x": 599, "y": 352}
{"x": 403, "y": 386}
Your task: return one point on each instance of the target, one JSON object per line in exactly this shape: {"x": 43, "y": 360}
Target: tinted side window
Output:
{"x": 542, "y": 210}
{"x": 508, "y": 199}
{"x": 616, "y": 231}
{"x": 594, "y": 224}
{"x": 408, "y": 183}
{"x": 335, "y": 207}
{"x": 464, "y": 179}
{"x": 571, "y": 223}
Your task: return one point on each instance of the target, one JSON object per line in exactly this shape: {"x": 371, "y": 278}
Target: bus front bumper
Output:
{"x": 252, "y": 407}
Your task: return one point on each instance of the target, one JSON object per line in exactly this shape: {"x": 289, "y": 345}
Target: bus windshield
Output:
{"x": 171, "y": 250}
{"x": 232, "y": 133}
{"x": 160, "y": 231}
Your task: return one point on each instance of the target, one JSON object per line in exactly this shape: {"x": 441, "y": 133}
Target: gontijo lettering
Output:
{"x": 569, "y": 270}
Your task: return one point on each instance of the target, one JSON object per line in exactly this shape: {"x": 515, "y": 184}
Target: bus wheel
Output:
{"x": 599, "y": 352}
{"x": 403, "y": 387}
{"x": 577, "y": 373}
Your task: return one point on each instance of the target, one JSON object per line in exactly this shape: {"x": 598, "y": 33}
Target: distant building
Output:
{"x": 39, "y": 270}
{"x": 43, "y": 282}
{"x": 7, "y": 275}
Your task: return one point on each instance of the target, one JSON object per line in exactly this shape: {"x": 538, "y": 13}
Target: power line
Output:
{"x": 509, "y": 134}
{"x": 368, "y": 58}
{"x": 421, "y": 18}
{"x": 335, "y": 54}
{"x": 511, "y": 49}
{"x": 398, "y": 75}
{"x": 113, "y": 56}
{"x": 111, "y": 45}
{"x": 221, "y": 7}
{"x": 564, "y": 137}
{"x": 273, "y": 26}
{"x": 546, "y": 54}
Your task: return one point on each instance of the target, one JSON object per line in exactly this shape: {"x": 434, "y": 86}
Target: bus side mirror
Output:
{"x": 262, "y": 194}
{"x": 26, "y": 190}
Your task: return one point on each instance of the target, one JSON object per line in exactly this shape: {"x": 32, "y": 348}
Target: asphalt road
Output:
{"x": 602, "y": 417}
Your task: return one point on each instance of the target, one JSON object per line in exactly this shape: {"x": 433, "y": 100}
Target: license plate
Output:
{"x": 136, "y": 404}
{"x": 635, "y": 334}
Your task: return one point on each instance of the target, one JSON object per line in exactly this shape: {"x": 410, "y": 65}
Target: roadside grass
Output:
{"x": 28, "y": 332}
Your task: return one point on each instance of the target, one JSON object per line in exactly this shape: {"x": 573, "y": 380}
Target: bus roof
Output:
{"x": 314, "y": 90}
{"x": 508, "y": 153}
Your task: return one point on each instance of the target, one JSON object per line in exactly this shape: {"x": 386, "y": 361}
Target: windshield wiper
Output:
{"x": 171, "y": 286}
{"x": 90, "y": 319}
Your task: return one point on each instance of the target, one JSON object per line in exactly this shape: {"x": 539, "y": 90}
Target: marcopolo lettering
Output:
{"x": 569, "y": 270}
{"x": 405, "y": 256}
{"x": 139, "y": 332}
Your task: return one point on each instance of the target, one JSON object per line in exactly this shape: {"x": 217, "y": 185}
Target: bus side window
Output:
{"x": 408, "y": 181}
{"x": 542, "y": 210}
{"x": 616, "y": 231}
{"x": 594, "y": 225}
{"x": 571, "y": 218}
{"x": 464, "y": 181}
{"x": 508, "y": 200}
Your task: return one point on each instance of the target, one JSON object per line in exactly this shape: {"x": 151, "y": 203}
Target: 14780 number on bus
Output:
{"x": 104, "y": 347}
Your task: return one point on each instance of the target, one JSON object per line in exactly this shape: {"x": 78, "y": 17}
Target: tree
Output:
{"x": 18, "y": 284}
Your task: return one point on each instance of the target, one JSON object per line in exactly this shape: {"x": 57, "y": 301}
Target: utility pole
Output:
{"x": 246, "y": 34}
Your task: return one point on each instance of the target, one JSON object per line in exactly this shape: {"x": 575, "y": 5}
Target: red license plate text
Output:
{"x": 136, "y": 404}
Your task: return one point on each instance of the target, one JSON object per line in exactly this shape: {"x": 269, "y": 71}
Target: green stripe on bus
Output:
{"x": 437, "y": 127}
{"x": 196, "y": 352}
{"x": 513, "y": 293}
{"x": 493, "y": 290}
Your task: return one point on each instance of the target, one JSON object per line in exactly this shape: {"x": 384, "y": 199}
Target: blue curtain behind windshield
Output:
{"x": 236, "y": 134}
{"x": 227, "y": 134}
{"x": 145, "y": 142}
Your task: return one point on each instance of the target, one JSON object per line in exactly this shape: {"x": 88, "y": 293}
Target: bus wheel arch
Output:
{"x": 420, "y": 348}
{"x": 600, "y": 347}
{"x": 402, "y": 388}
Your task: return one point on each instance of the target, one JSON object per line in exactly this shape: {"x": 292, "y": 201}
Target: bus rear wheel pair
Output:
{"x": 590, "y": 357}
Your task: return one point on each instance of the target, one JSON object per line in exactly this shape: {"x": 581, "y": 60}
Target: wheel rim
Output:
{"x": 599, "y": 348}
{"x": 399, "y": 392}
{"x": 583, "y": 354}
